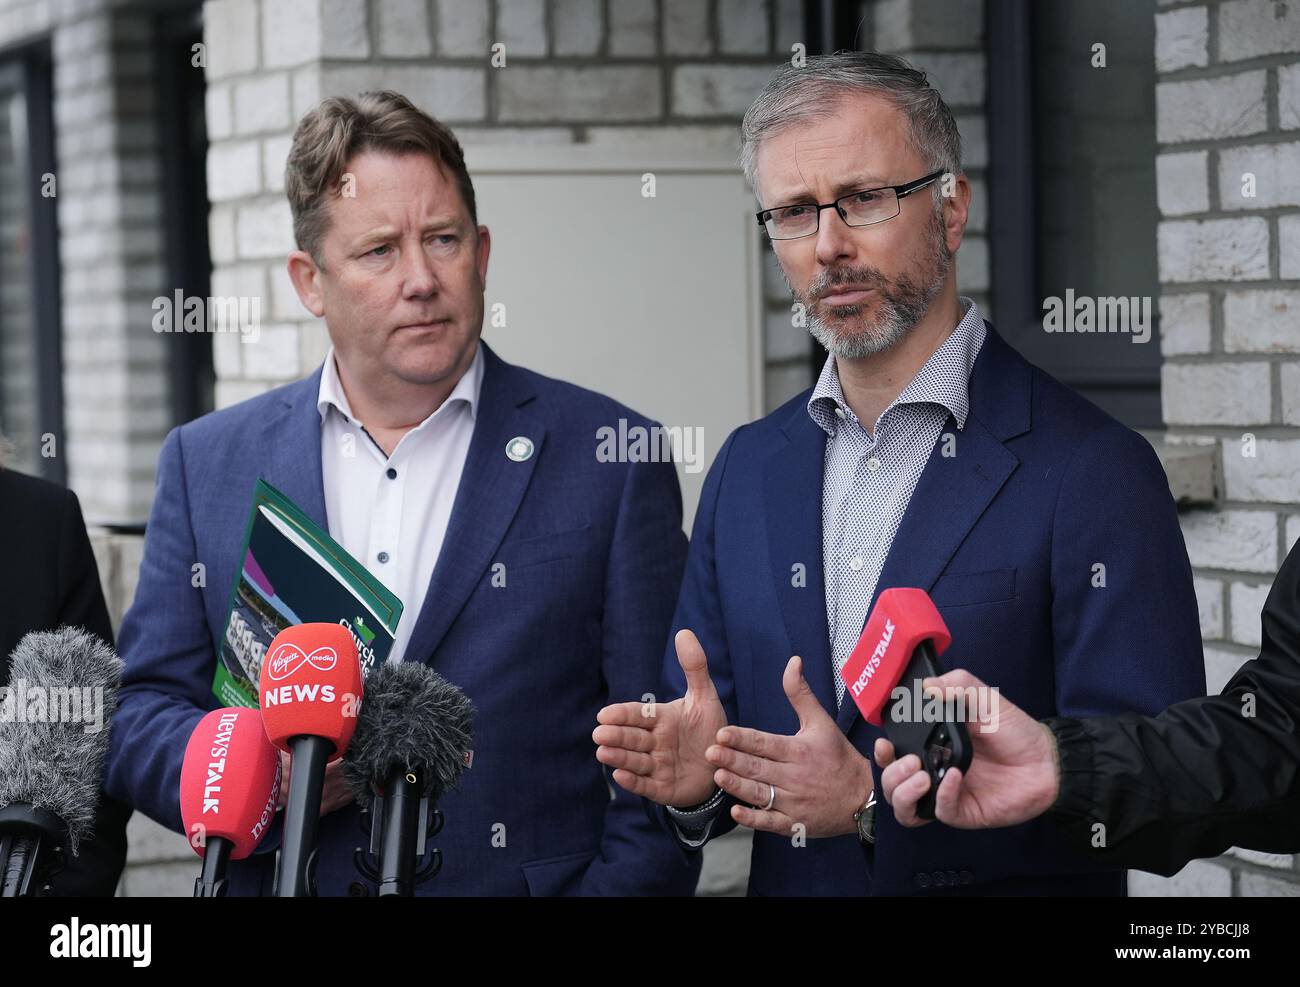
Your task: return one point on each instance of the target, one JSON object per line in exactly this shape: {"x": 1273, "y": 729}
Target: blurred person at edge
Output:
{"x": 49, "y": 580}
{"x": 928, "y": 454}
{"x": 1205, "y": 775}
{"x": 435, "y": 463}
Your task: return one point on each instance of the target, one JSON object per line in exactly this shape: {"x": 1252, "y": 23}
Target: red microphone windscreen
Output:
{"x": 230, "y": 781}
{"x": 311, "y": 685}
{"x": 900, "y": 621}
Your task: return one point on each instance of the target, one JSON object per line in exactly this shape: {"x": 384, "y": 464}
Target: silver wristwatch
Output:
{"x": 704, "y": 810}
{"x": 866, "y": 820}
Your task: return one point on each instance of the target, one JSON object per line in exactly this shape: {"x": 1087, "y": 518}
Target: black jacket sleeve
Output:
{"x": 1206, "y": 774}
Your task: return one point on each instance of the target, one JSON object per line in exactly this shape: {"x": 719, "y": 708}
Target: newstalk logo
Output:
{"x": 873, "y": 663}
{"x": 217, "y": 766}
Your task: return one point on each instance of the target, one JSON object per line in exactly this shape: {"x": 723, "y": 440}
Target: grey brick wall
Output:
{"x": 1228, "y": 107}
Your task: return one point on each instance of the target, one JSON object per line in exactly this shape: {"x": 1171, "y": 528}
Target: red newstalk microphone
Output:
{"x": 897, "y": 651}
{"x": 310, "y": 697}
{"x": 230, "y": 780}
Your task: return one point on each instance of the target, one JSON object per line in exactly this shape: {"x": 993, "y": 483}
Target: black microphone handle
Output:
{"x": 28, "y": 837}
{"x": 399, "y": 835}
{"x": 211, "y": 882}
{"x": 295, "y": 871}
{"x": 939, "y": 745}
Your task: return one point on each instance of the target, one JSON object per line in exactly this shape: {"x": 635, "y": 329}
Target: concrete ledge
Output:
{"x": 1191, "y": 470}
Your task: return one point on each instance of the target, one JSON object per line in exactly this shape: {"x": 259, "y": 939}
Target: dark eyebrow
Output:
{"x": 858, "y": 184}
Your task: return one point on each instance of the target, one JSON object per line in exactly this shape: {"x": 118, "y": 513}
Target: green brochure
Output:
{"x": 295, "y": 573}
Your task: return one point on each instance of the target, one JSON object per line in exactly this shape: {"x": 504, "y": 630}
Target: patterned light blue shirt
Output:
{"x": 867, "y": 482}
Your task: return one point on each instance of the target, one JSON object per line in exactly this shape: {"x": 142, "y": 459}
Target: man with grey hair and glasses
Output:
{"x": 928, "y": 454}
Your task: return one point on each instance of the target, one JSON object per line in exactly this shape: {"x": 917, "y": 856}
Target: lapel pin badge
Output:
{"x": 519, "y": 448}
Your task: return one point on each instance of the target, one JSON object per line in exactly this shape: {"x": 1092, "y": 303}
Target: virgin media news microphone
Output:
{"x": 411, "y": 745}
{"x": 230, "y": 782}
{"x": 62, "y": 693}
{"x": 310, "y": 698}
{"x": 897, "y": 651}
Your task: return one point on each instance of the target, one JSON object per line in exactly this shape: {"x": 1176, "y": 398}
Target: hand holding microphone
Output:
{"x": 334, "y": 793}
{"x": 1012, "y": 777}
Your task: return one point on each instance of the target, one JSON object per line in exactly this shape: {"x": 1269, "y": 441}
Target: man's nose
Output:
{"x": 835, "y": 241}
{"x": 418, "y": 275}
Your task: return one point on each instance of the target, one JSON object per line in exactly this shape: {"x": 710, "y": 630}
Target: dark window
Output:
{"x": 31, "y": 389}
{"x": 1072, "y": 189}
{"x": 184, "y": 149}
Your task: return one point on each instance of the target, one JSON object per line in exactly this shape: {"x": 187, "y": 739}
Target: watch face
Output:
{"x": 867, "y": 824}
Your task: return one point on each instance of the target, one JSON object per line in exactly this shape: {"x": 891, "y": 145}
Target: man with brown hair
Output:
{"x": 441, "y": 468}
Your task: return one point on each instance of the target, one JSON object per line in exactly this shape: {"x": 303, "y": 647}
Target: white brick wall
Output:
{"x": 1213, "y": 250}
{"x": 1209, "y": 109}
{"x": 1261, "y": 321}
{"x": 1182, "y": 38}
{"x": 1271, "y": 474}
{"x": 1209, "y": 605}
{"x": 1216, "y": 393}
{"x": 1274, "y": 167}
{"x": 1181, "y": 185}
{"x": 1184, "y": 323}
{"x": 1239, "y": 540}
{"x": 1246, "y": 602}
{"x": 1249, "y": 28}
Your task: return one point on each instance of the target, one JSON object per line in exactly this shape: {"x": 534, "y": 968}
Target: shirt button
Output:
{"x": 383, "y": 556}
{"x": 839, "y": 411}
{"x": 392, "y": 473}
{"x": 855, "y": 563}
{"x": 873, "y": 464}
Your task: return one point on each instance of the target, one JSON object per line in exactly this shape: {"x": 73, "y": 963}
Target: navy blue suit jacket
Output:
{"x": 593, "y": 554}
{"x": 1004, "y": 535}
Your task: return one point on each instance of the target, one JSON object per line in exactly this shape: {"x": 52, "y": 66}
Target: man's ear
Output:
{"x": 305, "y": 276}
{"x": 956, "y": 211}
{"x": 484, "y": 248}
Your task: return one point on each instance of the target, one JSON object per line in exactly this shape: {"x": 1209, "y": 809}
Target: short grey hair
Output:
{"x": 802, "y": 94}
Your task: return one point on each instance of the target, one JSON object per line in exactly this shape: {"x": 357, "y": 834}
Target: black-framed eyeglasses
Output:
{"x": 861, "y": 208}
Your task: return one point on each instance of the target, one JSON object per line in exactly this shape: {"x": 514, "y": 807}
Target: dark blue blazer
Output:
{"x": 1004, "y": 535}
{"x": 593, "y": 554}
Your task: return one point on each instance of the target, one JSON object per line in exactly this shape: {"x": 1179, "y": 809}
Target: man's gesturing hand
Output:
{"x": 657, "y": 749}
{"x": 819, "y": 778}
{"x": 1012, "y": 776}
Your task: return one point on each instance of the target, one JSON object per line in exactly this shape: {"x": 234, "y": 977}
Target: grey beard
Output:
{"x": 902, "y": 306}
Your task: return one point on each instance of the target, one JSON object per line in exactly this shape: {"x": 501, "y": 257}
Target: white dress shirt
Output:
{"x": 391, "y": 512}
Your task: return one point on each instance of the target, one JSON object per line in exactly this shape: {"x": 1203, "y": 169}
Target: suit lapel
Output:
{"x": 954, "y": 491}
{"x": 792, "y": 489}
{"x": 294, "y": 441}
{"x": 491, "y": 489}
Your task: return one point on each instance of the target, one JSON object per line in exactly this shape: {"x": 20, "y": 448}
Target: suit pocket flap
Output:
{"x": 959, "y": 589}
{"x": 557, "y": 875}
